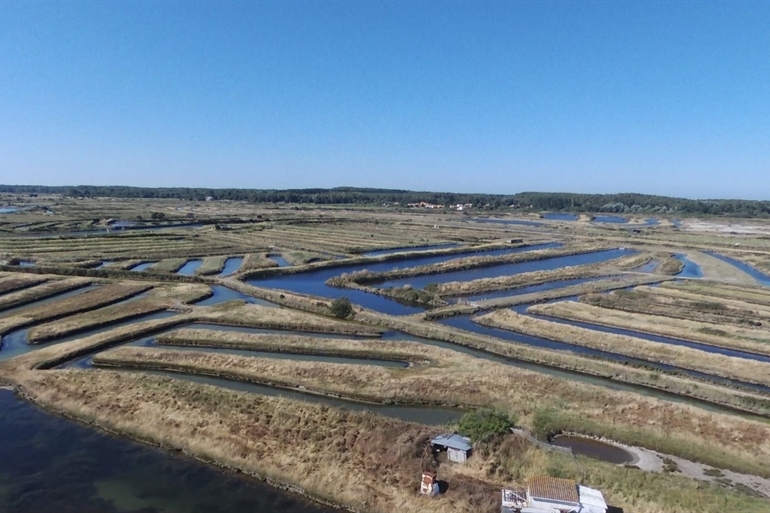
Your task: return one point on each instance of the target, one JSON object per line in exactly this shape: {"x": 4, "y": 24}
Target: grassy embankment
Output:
{"x": 757, "y": 295}
{"x": 519, "y": 352}
{"x": 594, "y": 287}
{"x": 42, "y": 291}
{"x": 679, "y": 304}
{"x": 357, "y": 260}
{"x": 367, "y": 280}
{"x": 742, "y": 369}
{"x": 325, "y": 451}
{"x": 212, "y": 265}
{"x": 168, "y": 265}
{"x": 88, "y": 300}
{"x": 11, "y": 282}
{"x": 161, "y": 298}
{"x": 668, "y": 263}
{"x": 294, "y": 344}
{"x": 256, "y": 261}
{"x": 455, "y": 380}
{"x": 719, "y": 335}
{"x": 603, "y": 269}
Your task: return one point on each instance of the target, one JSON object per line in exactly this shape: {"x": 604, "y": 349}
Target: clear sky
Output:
{"x": 608, "y": 96}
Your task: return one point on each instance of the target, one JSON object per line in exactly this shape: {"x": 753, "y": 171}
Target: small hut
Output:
{"x": 458, "y": 447}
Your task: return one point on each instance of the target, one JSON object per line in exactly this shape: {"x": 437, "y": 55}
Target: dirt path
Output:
{"x": 653, "y": 461}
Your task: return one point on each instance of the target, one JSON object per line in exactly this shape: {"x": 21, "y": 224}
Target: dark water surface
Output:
{"x": 50, "y": 464}
{"x": 142, "y": 266}
{"x": 594, "y": 448}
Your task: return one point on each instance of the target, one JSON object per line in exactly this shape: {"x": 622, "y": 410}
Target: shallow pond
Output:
{"x": 560, "y": 216}
{"x": 142, "y": 266}
{"x": 520, "y": 222}
{"x": 8, "y": 210}
{"x": 691, "y": 269}
{"x": 221, "y": 294}
{"x": 594, "y": 449}
{"x": 48, "y": 463}
{"x": 232, "y": 264}
{"x": 610, "y": 219}
{"x": 752, "y": 271}
{"x": 278, "y": 259}
{"x": 190, "y": 267}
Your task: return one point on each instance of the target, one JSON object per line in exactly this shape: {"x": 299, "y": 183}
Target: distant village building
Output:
{"x": 458, "y": 447}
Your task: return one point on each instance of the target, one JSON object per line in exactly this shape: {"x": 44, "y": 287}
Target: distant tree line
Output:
{"x": 537, "y": 201}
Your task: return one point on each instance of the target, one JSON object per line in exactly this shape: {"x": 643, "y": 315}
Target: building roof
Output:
{"x": 592, "y": 500}
{"x": 554, "y": 488}
{"x": 453, "y": 441}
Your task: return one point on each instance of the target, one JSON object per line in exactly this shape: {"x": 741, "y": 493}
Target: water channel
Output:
{"x": 691, "y": 269}
{"x": 190, "y": 267}
{"x": 314, "y": 282}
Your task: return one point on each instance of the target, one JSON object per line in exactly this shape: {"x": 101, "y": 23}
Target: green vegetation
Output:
{"x": 548, "y": 201}
{"x": 341, "y": 308}
{"x": 482, "y": 424}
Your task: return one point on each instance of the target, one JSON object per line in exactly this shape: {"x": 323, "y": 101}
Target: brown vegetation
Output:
{"x": 42, "y": 291}
{"x": 749, "y": 371}
{"x": 745, "y": 339}
{"x": 262, "y": 435}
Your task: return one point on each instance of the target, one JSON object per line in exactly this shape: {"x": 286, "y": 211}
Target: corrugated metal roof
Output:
{"x": 553, "y": 488}
{"x": 453, "y": 441}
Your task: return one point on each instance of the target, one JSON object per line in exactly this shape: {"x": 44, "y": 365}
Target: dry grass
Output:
{"x": 38, "y": 292}
{"x": 756, "y": 295}
{"x": 168, "y": 265}
{"x": 683, "y": 305}
{"x": 669, "y": 263}
{"x": 720, "y": 335}
{"x": 684, "y": 357}
{"x": 296, "y": 344}
{"x": 89, "y": 300}
{"x": 212, "y": 265}
{"x": 101, "y": 317}
{"x": 262, "y": 435}
{"x": 237, "y": 313}
{"x": 460, "y": 264}
{"x": 254, "y": 261}
{"x": 457, "y": 380}
{"x": 16, "y": 281}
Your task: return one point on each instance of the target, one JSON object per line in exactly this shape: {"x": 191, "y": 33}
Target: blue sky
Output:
{"x": 660, "y": 97}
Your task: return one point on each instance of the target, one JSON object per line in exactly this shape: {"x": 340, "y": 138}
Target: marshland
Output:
{"x": 285, "y": 349}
